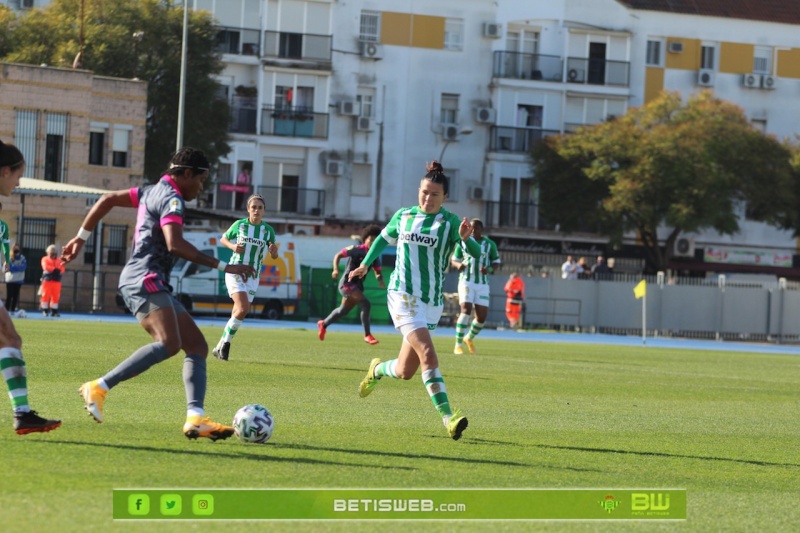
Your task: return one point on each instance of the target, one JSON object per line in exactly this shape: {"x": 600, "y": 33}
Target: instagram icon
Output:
{"x": 203, "y": 504}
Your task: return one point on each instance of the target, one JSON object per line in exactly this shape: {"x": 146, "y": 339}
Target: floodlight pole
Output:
{"x": 182, "y": 94}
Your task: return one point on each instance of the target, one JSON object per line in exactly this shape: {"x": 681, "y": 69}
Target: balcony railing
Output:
{"x": 244, "y": 115}
{"x": 239, "y": 41}
{"x": 524, "y": 215}
{"x": 520, "y": 66}
{"x": 302, "y": 46}
{"x": 279, "y": 200}
{"x": 598, "y": 71}
{"x": 288, "y": 121}
{"x": 509, "y": 139}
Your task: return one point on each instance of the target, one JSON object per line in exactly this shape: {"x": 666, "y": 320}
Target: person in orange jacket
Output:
{"x": 52, "y": 268}
{"x": 515, "y": 296}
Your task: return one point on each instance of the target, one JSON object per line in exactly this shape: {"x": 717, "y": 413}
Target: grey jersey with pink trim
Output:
{"x": 150, "y": 262}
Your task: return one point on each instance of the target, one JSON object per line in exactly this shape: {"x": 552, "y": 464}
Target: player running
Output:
{"x": 144, "y": 285}
{"x": 425, "y": 236}
{"x": 250, "y": 239}
{"x": 353, "y": 291}
{"x": 473, "y": 286}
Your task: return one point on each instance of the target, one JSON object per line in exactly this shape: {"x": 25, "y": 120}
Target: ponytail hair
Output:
{"x": 436, "y": 175}
{"x": 10, "y": 156}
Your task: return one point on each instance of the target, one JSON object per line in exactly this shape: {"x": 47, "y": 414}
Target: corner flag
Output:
{"x": 640, "y": 290}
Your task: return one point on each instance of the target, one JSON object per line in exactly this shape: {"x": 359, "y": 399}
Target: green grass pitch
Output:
{"x": 725, "y": 426}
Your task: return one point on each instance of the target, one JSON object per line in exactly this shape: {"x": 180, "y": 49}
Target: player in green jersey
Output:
{"x": 473, "y": 287}
{"x": 425, "y": 235}
{"x": 250, "y": 239}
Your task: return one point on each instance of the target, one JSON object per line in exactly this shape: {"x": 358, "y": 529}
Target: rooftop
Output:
{"x": 780, "y": 11}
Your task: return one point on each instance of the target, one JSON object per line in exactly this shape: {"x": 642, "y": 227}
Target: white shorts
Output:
{"x": 409, "y": 312}
{"x": 234, "y": 284}
{"x": 473, "y": 293}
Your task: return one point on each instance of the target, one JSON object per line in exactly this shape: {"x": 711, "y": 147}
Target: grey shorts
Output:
{"x": 141, "y": 303}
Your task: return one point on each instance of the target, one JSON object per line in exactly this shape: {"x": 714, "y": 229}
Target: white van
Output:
{"x": 202, "y": 289}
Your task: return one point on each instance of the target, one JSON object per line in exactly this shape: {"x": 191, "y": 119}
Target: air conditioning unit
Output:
{"x": 333, "y": 167}
{"x": 493, "y": 30}
{"x": 450, "y": 132}
{"x": 675, "y": 47}
{"x": 576, "y": 75}
{"x": 767, "y": 82}
{"x": 371, "y": 50}
{"x": 705, "y": 77}
{"x": 751, "y": 81}
{"x": 27, "y": 4}
{"x": 477, "y": 193}
{"x": 684, "y": 247}
{"x": 364, "y": 124}
{"x": 349, "y": 108}
{"x": 485, "y": 115}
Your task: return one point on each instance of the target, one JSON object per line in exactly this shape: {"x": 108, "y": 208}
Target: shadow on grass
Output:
{"x": 242, "y": 455}
{"x": 339, "y": 368}
{"x": 401, "y": 455}
{"x": 662, "y": 454}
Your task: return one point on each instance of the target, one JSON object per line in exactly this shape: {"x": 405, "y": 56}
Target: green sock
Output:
{"x": 12, "y": 366}
{"x": 462, "y": 324}
{"x": 433, "y": 381}
{"x": 475, "y": 329}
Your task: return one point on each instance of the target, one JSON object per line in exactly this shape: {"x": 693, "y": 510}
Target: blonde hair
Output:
{"x": 51, "y": 247}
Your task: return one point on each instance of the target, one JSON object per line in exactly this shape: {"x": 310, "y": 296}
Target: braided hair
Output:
{"x": 188, "y": 158}
{"x": 436, "y": 175}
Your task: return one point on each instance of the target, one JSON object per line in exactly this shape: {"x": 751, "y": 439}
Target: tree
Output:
{"x": 52, "y": 36}
{"x": 669, "y": 166}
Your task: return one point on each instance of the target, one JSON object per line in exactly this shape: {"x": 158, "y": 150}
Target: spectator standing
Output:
{"x": 584, "y": 270}
{"x": 243, "y": 180}
{"x": 515, "y": 297}
{"x": 569, "y": 270}
{"x": 52, "y": 269}
{"x": 15, "y": 277}
{"x": 600, "y": 269}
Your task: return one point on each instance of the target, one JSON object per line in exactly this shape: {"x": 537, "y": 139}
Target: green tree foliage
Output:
{"x": 52, "y": 36}
{"x": 669, "y": 166}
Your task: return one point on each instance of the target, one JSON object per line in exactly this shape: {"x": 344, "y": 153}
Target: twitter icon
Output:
{"x": 171, "y": 504}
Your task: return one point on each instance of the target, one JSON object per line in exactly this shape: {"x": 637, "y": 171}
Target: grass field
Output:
{"x": 722, "y": 425}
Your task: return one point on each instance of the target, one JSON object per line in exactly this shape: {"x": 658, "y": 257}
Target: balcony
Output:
{"x": 505, "y": 214}
{"x": 300, "y": 50}
{"x": 519, "y": 66}
{"x": 519, "y": 140}
{"x": 244, "y": 115}
{"x": 598, "y": 72}
{"x": 287, "y": 121}
{"x": 279, "y": 200}
{"x": 238, "y": 41}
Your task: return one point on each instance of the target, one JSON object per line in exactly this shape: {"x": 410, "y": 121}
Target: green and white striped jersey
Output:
{"x": 255, "y": 238}
{"x": 472, "y": 272}
{"x": 424, "y": 246}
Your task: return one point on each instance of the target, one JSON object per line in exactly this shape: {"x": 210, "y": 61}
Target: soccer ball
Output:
{"x": 22, "y": 314}
{"x": 253, "y": 423}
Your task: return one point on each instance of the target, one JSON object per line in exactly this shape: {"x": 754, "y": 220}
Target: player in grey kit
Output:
{"x": 144, "y": 285}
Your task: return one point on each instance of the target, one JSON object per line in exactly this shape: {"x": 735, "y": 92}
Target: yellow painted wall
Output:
{"x": 428, "y": 32}
{"x": 653, "y": 83}
{"x": 736, "y": 58}
{"x": 396, "y": 28}
{"x": 789, "y": 63}
{"x": 689, "y": 59}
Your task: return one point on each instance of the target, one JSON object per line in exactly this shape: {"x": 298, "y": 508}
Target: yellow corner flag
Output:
{"x": 640, "y": 289}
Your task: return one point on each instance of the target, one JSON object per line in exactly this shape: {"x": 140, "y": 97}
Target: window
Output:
{"x": 97, "y": 145}
{"x": 283, "y": 96}
{"x": 119, "y": 153}
{"x": 37, "y": 235}
{"x": 708, "y": 54}
{"x": 760, "y": 124}
{"x": 530, "y": 116}
{"x": 654, "y": 53}
{"x": 25, "y": 138}
{"x": 454, "y": 184}
{"x": 370, "y": 30}
{"x": 366, "y": 97}
{"x": 762, "y": 60}
{"x": 291, "y": 45}
{"x": 453, "y": 34}
{"x": 361, "y": 181}
{"x": 449, "y": 109}
{"x": 117, "y": 240}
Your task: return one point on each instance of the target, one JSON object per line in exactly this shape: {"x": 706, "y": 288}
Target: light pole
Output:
{"x": 182, "y": 93}
{"x": 462, "y": 131}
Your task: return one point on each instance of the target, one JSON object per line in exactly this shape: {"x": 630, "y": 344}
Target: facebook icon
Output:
{"x": 138, "y": 504}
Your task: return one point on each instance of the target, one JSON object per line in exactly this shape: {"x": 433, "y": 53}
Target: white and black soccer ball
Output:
{"x": 253, "y": 423}
{"x": 22, "y": 314}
